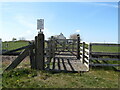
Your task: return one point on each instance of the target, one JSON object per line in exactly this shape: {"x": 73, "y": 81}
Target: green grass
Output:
{"x": 14, "y": 45}
{"x": 27, "y": 78}
{"x": 18, "y": 44}
{"x": 105, "y": 49}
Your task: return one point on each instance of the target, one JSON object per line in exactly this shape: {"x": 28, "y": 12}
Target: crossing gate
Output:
{"x": 66, "y": 55}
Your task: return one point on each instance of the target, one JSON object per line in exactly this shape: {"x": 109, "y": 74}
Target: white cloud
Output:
{"x": 77, "y": 31}
{"x": 106, "y": 4}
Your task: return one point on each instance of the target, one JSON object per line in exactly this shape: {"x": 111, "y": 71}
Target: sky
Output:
{"x": 94, "y": 21}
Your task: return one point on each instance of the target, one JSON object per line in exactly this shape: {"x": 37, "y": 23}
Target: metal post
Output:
{"x": 78, "y": 46}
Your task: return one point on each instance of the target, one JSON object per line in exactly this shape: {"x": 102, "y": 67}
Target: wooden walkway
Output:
{"x": 67, "y": 64}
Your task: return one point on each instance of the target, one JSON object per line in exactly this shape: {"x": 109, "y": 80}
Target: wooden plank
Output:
{"x": 86, "y": 60}
{"x": 59, "y": 64}
{"x": 86, "y": 50}
{"x": 64, "y": 54}
{"x": 104, "y": 53}
{"x": 106, "y": 59}
{"x": 32, "y": 58}
{"x": 83, "y": 51}
{"x": 78, "y": 46}
{"x": 17, "y": 61}
{"x": 70, "y": 65}
{"x": 112, "y": 66}
{"x": 64, "y": 51}
{"x": 63, "y": 57}
{"x": 64, "y": 64}
{"x": 36, "y": 52}
{"x": 104, "y": 64}
{"x": 105, "y": 44}
{"x": 61, "y": 48}
{"x": 53, "y": 63}
{"x": 11, "y": 51}
{"x": 86, "y": 55}
{"x": 90, "y": 49}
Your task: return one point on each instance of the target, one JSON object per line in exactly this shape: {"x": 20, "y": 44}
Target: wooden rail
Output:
{"x": 101, "y": 56}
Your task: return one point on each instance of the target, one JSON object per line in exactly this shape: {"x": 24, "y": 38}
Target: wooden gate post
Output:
{"x": 40, "y": 63}
{"x": 83, "y": 52}
{"x": 78, "y": 46}
{"x": 90, "y": 50}
{"x": 32, "y": 56}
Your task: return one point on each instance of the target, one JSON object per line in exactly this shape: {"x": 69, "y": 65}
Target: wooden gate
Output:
{"x": 54, "y": 55}
{"x": 64, "y": 55}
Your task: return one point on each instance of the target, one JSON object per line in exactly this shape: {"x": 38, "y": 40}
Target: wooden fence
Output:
{"x": 104, "y": 56}
{"x": 41, "y": 49}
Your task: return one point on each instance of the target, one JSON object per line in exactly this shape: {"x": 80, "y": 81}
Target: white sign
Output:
{"x": 40, "y": 24}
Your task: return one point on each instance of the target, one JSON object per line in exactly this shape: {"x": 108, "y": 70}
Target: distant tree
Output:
{"x": 14, "y": 39}
{"x": 22, "y": 38}
{"x": 73, "y": 36}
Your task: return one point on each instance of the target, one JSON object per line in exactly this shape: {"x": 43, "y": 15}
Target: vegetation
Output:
{"x": 105, "y": 49}
{"x": 27, "y": 78}
{"x": 13, "y": 44}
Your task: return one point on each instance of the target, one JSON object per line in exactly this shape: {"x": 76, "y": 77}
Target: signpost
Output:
{"x": 40, "y": 24}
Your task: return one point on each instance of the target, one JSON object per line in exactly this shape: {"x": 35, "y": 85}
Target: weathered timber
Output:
{"x": 18, "y": 59}
{"x": 70, "y": 65}
{"x": 40, "y": 52}
{"x": 32, "y": 57}
{"x": 83, "y": 52}
{"x": 105, "y": 44}
{"x": 63, "y": 64}
{"x": 106, "y": 59}
{"x": 53, "y": 63}
{"x": 59, "y": 64}
{"x": 65, "y": 47}
{"x": 78, "y": 46}
{"x": 14, "y": 51}
{"x": 104, "y": 64}
{"x": 104, "y": 53}
{"x": 36, "y": 52}
{"x": 90, "y": 49}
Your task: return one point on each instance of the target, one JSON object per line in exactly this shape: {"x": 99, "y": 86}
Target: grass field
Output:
{"x": 24, "y": 77}
{"x": 17, "y": 44}
{"x": 105, "y": 49}
{"x": 14, "y": 45}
